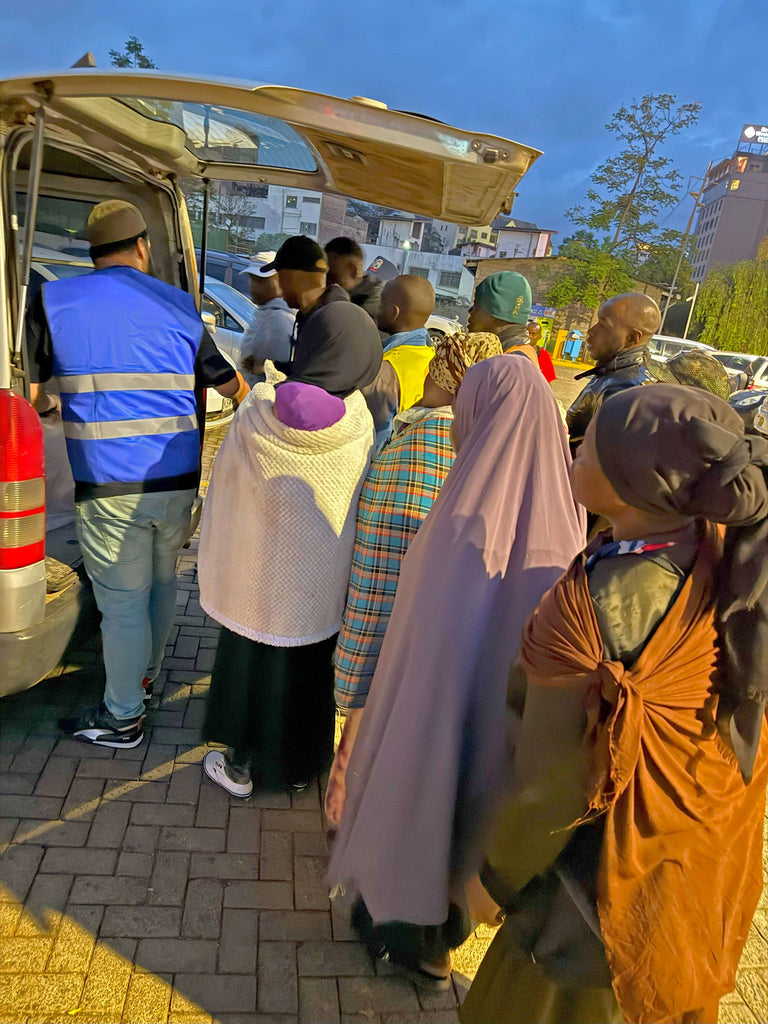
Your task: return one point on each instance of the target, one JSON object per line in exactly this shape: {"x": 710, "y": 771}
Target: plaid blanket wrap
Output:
{"x": 398, "y": 492}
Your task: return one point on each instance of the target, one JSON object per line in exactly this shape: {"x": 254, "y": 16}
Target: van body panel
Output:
{"x": 369, "y": 152}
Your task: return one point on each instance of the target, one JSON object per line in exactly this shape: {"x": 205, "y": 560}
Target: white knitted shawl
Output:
{"x": 279, "y": 522}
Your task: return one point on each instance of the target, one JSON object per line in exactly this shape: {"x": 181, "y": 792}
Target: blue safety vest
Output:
{"x": 124, "y": 349}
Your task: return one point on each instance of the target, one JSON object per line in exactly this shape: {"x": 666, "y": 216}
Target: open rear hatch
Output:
{"x": 266, "y": 133}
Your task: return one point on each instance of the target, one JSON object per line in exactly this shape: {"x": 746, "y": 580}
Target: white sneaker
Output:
{"x": 216, "y": 769}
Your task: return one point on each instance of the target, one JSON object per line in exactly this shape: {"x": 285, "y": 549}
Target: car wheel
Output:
{"x": 436, "y": 336}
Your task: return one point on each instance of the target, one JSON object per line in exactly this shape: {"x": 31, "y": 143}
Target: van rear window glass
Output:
{"x": 59, "y": 225}
{"x": 224, "y": 135}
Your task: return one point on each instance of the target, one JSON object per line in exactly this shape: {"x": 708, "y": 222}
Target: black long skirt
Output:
{"x": 274, "y": 706}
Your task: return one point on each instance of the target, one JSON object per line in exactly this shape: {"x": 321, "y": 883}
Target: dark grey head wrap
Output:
{"x": 339, "y": 349}
{"x": 673, "y": 449}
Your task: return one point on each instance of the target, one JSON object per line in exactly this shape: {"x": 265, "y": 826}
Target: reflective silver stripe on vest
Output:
{"x": 106, "y": 429}
{"x": 126, "y": 382}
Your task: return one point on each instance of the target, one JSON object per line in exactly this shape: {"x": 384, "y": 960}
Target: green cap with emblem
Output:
{"x": 506, "y": 295}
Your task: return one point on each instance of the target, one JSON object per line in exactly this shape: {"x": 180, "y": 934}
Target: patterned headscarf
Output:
{"x": 454, "y": 355}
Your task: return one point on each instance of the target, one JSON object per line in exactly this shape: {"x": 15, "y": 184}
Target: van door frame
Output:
{"x": 11, "y": 253}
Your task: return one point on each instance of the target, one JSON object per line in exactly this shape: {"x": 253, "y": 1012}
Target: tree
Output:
{"x": 193, "y": 189}
{"x": 229, "y": 210}
{"x": 267, "y": 242}
{"x": 592, "y": 275}
{"x": 660, "y": 262}
{"x": 577, "y": 243}
{"x": 733, "y": 305}
{"x": 132, "y": 56}
{"x": 618, "y": 233}
{"x": 636, "y": 184}
{"x": 432, "y": 240}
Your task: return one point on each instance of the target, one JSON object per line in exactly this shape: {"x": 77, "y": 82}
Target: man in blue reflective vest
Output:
{"x": 128, "y": 352}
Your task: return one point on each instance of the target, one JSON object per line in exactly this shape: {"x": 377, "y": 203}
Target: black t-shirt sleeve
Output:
{"x": 38, "y": 336}
{"x": 211, "y": 368}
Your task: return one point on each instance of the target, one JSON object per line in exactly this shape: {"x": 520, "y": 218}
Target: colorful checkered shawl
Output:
{"x": 399, "y": 491}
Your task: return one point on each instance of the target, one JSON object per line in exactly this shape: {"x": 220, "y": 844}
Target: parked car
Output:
{"x": 663, "y": 347}
{"x": 755, "y": 368}
{"x": 232, "y": 312}
{"x": 72, "y": 139}
{"x": 748, "y": 404}
{"x": 440, "y": 327}
{"x": 227, "y": 267}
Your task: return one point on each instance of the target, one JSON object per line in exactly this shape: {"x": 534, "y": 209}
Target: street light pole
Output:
{"x": 690, "y": 311}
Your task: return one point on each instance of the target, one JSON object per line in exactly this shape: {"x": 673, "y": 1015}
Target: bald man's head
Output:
{"x": 406, "y": 304}
{"x": 625, "y": 321}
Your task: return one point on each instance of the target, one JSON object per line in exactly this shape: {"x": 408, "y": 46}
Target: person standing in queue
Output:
{"x": 503, "y": 306}
{"x": 406, "y": 304}
{"x": 617, "y": 342}
{"x": 346, "y": 262}
{"x": 127, "y": 351}
{"x": 270, "y": 331}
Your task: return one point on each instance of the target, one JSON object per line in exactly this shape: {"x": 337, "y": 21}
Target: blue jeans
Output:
{"x": 130, "y": 544}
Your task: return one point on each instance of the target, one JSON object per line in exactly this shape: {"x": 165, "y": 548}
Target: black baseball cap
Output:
{"x": 299, "y": 253}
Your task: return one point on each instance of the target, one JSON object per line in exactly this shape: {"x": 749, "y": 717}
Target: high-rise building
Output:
{"x": 733, "y": 218}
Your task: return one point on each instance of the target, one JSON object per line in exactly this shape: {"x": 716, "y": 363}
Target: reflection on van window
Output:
{"x": 59, "y": 225}
{"x": 224, "y": 135}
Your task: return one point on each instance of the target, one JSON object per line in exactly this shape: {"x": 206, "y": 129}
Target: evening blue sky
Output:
{"x": 548, "y": 73}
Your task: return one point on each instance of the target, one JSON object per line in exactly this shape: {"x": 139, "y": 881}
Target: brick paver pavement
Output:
{"x": 134, "y": 890}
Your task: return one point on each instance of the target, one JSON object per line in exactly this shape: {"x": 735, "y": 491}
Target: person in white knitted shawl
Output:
{"x": 275, "y": 554}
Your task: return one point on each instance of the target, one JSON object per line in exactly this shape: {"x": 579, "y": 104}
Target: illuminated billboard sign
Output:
{"x": 755, "y": 134}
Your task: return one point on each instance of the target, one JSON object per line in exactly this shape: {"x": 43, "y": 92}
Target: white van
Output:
{"x": 72, "y": 139}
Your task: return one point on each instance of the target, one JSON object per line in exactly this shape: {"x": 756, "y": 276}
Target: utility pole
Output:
{"x": 696, "y": 196}
{"x": 690, "y": 311}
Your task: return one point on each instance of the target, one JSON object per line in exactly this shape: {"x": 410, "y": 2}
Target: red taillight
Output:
{"x": 22, "y": 483}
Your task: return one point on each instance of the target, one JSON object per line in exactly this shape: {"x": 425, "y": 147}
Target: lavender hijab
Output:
{"x": 429, "y": 762}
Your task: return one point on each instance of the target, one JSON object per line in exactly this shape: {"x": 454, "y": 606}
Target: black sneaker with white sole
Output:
{"x": 98, "y": 725}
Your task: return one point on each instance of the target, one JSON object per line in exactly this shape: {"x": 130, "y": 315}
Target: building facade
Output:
{"x": 484, "y": 235}
{"x": 521, "y": 239}
{"x": 402, "y": 231}
{"x": 452, "y": 282}
{"x": 277, "y": 209}
{"x": 733, "y": 217}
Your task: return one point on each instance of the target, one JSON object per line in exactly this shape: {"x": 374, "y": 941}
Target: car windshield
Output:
{"x": 233, "y": 300}
{"x": 60, "y": 270}
{"x": 746, "y": 363}
{"x": 222, "y": 135}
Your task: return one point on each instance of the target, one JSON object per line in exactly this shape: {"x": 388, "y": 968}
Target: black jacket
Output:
{"x": 626, "y": 370}
{"x": 368, "y": 295}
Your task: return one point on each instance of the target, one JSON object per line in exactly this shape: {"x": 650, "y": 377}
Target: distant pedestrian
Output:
{"x": 406, "y": 304}
{"x": 275, "y": 551}
{"x": 427, "y": 766}
{"x": 617, "y": 342}
{"x": 346, "y": 268}
{"x": 628, "y": 856}
{"x": 546, "y": 365}
{"x": 398, "y": 493}
{"x": 270, "y": 332}
{"x": 128, "y": 352}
